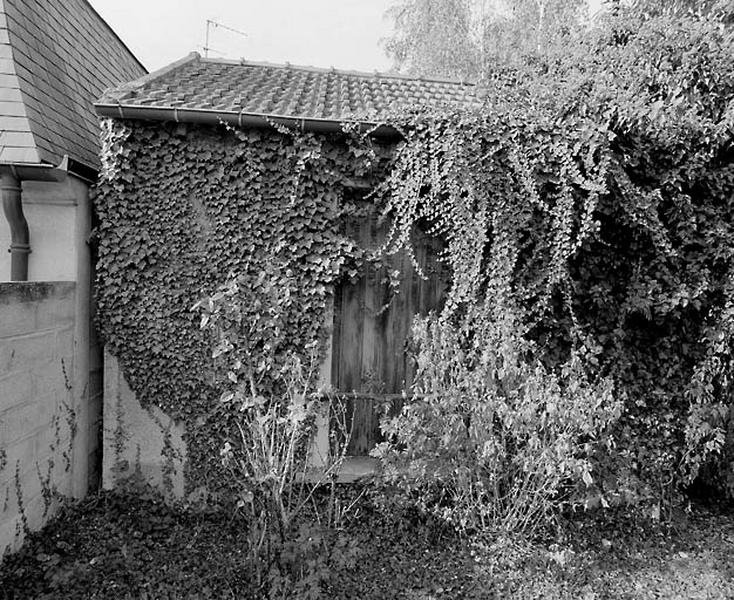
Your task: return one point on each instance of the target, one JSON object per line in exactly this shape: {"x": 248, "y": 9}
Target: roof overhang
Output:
{"x": 49, "y": 172}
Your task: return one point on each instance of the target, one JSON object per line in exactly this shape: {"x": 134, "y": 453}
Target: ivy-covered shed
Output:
{"x": 212, "y": 167}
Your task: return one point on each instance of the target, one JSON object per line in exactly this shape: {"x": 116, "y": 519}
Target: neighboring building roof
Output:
{"x": 208, "y": 90}
{"x": 56, "y": 57}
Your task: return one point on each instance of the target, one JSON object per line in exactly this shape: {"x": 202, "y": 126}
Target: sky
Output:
{"x": 341, "y": 33}
{"x": 344, "y": 34}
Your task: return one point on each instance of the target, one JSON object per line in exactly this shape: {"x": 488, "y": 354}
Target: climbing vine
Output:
{"x": 500, "y": 191}
{"x": 181, "y": 208}
{"x": 591, "y": 199}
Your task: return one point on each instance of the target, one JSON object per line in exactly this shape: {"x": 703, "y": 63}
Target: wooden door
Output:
{"x": 371, "y": 359}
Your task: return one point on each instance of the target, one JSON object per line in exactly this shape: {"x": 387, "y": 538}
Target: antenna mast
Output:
{"x": 212, "y": 23}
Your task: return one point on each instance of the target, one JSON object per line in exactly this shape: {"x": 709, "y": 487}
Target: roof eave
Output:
{"x": 50, "y": 171}
{"x": 240, "y": 119}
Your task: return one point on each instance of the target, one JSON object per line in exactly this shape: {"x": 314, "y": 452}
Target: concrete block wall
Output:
{"x": 39, "y": 425}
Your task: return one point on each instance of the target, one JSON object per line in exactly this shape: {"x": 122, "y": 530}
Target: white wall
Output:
{"x": 51, "y": 211}
{"x": 134, "y": 438}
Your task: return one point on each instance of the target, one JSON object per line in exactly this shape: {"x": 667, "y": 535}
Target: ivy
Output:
{"x": 182, "y": 207}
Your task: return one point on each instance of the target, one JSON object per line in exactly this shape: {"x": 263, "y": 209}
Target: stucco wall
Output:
{"x": 136, "y": 440}
{"x": 38, "y": 404}
{"x": 51, "y": 210}
{"x": 151, "y": 444}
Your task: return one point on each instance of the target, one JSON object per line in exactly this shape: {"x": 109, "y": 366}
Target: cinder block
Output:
{"x": 15, "y": 388}
{"x": 34, "y": 510}
{"x": 17, "y": 318}
{"x": 65, "y": 343}
{"x": 65, "y": 309}
{"x": 50, "y": 379}
{"x": 22, "y": 452}
{"x": 61, "y": 475}
{"x": 30, "y": 485}
{"x": 45, "y": 314}
{"x": 52, "y": 439}
{"x": 25, "y": 419}
{"x": 8, "y": 501}
{"x": 27, "y": 350}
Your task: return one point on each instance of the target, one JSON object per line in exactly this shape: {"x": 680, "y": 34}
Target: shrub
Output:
{"x": 272, "y": 405}
{"x": 492, "y": 438}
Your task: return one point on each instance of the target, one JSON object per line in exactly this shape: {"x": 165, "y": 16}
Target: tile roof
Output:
{"x": 56, "y": 57}
{"x": 195, "y": 87}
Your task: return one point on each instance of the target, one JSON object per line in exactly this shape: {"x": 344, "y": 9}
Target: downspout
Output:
{"x": 20, "y": 246}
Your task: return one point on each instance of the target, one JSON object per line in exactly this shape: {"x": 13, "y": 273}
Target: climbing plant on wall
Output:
{"x": 591, "y": 198}
{"x": 182, "y": 207}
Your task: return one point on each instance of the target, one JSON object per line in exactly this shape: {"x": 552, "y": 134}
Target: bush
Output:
{"x": 492, "y": 438}
{"x": 272, "y": 406}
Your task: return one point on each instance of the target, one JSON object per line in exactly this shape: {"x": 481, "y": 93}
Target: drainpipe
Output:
{"x": 20, "y": 246}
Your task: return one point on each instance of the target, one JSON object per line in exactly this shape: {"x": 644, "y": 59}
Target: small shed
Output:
{"x": 368, "y": 358}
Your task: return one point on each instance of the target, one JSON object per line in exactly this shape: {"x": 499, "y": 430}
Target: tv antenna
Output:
{"x": 212, "y": 24}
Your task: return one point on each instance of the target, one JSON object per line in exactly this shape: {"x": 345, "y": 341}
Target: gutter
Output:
{"x": 240, "y": 119}
{"x": 11, "y": 176}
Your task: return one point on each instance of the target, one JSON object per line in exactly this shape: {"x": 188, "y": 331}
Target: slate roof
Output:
{"x": 201, "y": 89}
{"x": 56, "y": 57}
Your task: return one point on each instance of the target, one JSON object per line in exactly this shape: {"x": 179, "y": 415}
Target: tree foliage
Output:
{"x": 465, "y": 39}
{"x": 433, "y": 37}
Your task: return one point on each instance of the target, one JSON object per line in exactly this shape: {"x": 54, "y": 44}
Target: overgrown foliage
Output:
{"x": 591, "y": 199}
{"x": 181, "y": 207}
{"x": 270, "y": 407}
{"x": 497, "y": 441}
{"x": 135, "y": 546}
